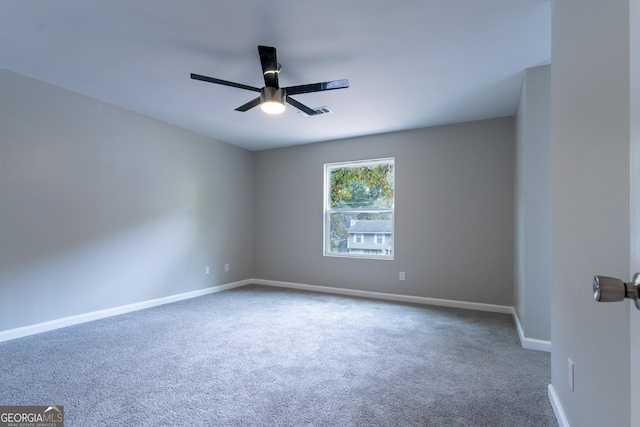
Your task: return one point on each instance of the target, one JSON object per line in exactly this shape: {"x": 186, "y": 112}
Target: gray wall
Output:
{"x": 532, "y": 300}
{"x": 591, "y": 210}
{"x": 454, "y": 213}
{"x": 101, "y": 207}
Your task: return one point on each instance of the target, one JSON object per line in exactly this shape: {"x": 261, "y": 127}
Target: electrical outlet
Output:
{"x": 206, "y": 270}
{"x": 402, "y": 276}
{"x": 226, "y": 267}
{"x": 571, "y": 374}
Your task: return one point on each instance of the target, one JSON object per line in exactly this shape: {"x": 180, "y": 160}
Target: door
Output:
{"x": 634, "y": 337}
{"x": 594, "y": 381}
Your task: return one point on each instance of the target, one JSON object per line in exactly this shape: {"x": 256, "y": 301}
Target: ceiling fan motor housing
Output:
{"x": 272, "y": 94}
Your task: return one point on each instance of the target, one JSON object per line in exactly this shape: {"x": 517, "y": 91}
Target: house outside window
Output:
{"x": 359, "y": 209}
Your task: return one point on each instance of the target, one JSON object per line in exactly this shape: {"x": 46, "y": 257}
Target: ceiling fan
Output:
{"x": 272, "y": 96}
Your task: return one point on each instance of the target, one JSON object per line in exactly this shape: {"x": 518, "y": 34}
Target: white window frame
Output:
{"x": 375, "y": 238}
{"x": 358, "y": 238}
{"x": 328, "y": 211}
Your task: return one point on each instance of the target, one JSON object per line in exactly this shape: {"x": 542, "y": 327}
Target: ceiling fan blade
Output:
{"x": 300, "y": 106}
{"x": 270, "y": 67}
{"x": 223, "y": 82}
{"x": 249, "y": 105}
{"x": 317, "y": 87}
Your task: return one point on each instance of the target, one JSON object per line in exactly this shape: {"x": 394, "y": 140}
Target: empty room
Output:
{"x": 357, "y": 213}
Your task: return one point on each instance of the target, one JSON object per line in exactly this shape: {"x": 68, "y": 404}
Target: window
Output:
{"x": 359, "y": 209}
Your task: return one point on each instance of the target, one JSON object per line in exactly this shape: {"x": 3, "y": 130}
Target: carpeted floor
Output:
{"x": 261, "y": 356}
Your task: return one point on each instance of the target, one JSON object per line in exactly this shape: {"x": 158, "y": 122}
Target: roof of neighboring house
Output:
{"x": 371, "y": 226}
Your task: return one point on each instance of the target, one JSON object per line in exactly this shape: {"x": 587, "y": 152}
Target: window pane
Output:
{"x": 359, "y": 204}
{"x": 364, "y": 227}
{"x": 367, "y": 186}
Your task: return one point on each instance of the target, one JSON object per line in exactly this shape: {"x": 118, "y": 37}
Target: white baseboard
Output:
{"x": 391, "y": 297}
{"x": 87, "y": 317}
{"x": 557, "y": 407}
{"x": 530, "y": 343}
{"x": 24, "y": 331}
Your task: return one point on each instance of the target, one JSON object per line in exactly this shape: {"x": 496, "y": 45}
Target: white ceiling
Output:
{"x": 410, "y": 63}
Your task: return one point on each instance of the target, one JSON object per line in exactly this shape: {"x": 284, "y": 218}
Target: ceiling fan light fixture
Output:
{"x": 272, "y": 107}
{"x": 272, "y": 100}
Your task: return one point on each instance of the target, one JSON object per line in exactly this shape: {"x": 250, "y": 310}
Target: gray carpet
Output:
{"x": 260, "y": 356}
